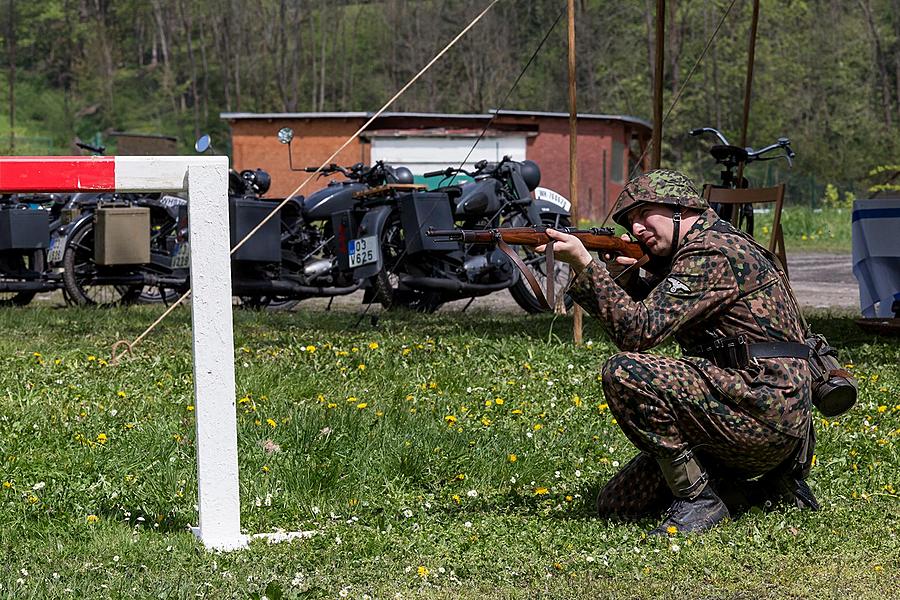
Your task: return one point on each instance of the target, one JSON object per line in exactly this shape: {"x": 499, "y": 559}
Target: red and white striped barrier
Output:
{"x": 205, "y": 179}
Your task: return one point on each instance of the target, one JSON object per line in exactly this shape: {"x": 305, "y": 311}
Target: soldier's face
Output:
{"x": 652, "y": 225}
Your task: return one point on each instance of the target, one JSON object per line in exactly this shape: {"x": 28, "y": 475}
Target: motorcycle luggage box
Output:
{"x": 243, "y": 215}
{"x": 122, "y": 235}
{"x": 418, "y": 212}
{"x": 24, "y": 228}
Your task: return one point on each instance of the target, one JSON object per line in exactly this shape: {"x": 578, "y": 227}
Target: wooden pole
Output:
{"x": 573, "y": 152}
{"x": 748, "y": 87}
{"x": 656, "y": 156}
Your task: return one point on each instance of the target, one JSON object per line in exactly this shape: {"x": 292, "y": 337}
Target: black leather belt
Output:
{"x": 736, "y": 352}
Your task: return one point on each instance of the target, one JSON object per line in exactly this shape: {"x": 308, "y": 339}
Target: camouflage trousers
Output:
{"x": 665, "y": 407}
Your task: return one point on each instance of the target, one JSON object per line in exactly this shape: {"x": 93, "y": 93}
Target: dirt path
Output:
{"x": 819, "y": 280}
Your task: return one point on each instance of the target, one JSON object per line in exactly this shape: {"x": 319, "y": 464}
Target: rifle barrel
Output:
{"x": 593, "y": 239}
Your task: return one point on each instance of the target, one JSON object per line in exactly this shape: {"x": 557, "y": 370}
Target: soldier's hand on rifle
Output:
{"x": 617, "y": 264}
{"x": 569, "y": 249}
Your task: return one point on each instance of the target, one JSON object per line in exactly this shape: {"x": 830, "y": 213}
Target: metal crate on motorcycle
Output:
{"x": 122, "y": 235}
{"x": 418, "y": 212}
{"x": 243, "y": 215}
{"x": 23, "y": 228}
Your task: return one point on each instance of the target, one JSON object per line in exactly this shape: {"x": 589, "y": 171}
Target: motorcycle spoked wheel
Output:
{"x": 80, "y": 273}
{"x": 386, "y": 283}
{"x": 521, "y": 291}
{"x": 31, "y": 262}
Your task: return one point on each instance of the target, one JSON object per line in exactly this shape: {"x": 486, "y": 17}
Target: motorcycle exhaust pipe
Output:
{"x": 454, "y": 286}
{"x": 290, "y": 288}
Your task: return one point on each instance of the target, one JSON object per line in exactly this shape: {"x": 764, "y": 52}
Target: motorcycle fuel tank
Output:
{"x": 334, "y": 197}
{"x": 478, "y": 198}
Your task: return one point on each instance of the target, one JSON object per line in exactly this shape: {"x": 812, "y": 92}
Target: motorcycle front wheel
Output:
{"x": 80, "y": 274}
{"x": 537, "y": 263}
{"x": 386, "y": 283}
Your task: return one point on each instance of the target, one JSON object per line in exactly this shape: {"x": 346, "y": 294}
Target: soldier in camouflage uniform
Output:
{"x": 736, "y": 405}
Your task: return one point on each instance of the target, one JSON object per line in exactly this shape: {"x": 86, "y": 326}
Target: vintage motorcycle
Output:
{"x": 28, "y": 227}
{"x": 406, "y": 268}
{"x": 311, "y": 229}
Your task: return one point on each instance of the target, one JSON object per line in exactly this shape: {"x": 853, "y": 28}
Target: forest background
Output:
{"x": 827, "y": 72}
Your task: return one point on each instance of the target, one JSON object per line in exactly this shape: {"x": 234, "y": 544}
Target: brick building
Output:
{"x": 608, "y": 146}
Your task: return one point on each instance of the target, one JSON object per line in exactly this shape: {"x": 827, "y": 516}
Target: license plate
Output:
{"x": 182, "y": 257}
{"x": 57, "y": 248}
{"x": 362, "y": 251}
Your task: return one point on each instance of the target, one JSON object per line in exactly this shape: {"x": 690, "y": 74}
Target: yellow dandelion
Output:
{"x": 456, "y": 498}
{"x": 120, "y": 394}
{"x": 878, "y": 568}
{"x": 460, "y": 476}
{"x": 266, "y": 469}
{"x": 271, "y": 423}
{"x": 32, "y": 499}
{"x": 671, "y": 530}
{"x": 515, "y": 411}
{"x": 310, "y": 348}
{"x": 576, "y": 400}
{"x": 332, "y": 405}
{"x": 373, "y": 346}
{"x": 101, "y": 438}
{"x": 450, "y": 419}
{"x": 92, "y": 519}
{"x": 91, "y": 358}
{"x": 244, "y": 400}
{"x": 361, "y": 367}
{"x": 129, "y": 426}
{"x": 882, "y": 408}
{"x": 613, "y": 421}
{"x": 422, "y": 571}
{"x": 362, "y": 405}
{"x": 537, "y": 427}
{"x": 486, "y": 422}
{"x": 190, "y": 408}
{"x": 541, "y": 491}
{"x": 499, "y": 401}
{"x": 406, "y": 351}
{"x": 7, "y": 485}
{"x": 488, "y": 403}
{"x": 512, "y": 458}
{"x": 602, "y": 406}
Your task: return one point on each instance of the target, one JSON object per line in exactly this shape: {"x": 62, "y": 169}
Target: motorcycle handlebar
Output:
{"x": 712, "y": 130}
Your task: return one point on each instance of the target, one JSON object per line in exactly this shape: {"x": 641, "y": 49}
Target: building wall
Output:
{"x": 550, "y": 149}
{"x": 255, "y": 145}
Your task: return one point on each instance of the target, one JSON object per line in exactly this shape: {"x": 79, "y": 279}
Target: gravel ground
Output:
{"x": 819, "y": 280}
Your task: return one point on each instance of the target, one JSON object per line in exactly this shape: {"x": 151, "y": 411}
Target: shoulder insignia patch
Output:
{"x": 676, "y": 286}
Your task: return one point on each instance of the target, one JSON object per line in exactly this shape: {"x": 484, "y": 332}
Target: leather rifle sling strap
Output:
{"x": 546, "y": 302}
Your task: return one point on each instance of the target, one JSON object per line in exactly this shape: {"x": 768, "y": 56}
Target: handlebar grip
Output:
{"x": 697, "y": 131}
{"x": 436, "y": 173}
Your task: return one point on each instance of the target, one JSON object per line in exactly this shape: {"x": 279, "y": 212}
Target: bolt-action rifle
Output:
{"x": 598, "y": 239}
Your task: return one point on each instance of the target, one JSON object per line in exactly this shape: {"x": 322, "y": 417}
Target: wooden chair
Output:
{"x": 738, "y": 197}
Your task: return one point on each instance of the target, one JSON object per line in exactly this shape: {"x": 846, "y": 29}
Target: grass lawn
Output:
{"x": 437, "y": 456}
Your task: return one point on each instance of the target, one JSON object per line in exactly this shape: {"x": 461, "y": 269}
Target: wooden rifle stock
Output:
{"x": 597, "y": 239}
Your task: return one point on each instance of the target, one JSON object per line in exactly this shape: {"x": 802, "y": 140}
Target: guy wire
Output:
{"x": 481, "y": 135}
{"x": 318, "y": 170}
{"x": 687, "y": 79}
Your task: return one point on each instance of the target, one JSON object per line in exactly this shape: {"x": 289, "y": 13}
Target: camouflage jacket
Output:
{"x": 719, "y": 284}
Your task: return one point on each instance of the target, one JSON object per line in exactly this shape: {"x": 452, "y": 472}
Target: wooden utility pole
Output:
{"x": 748, "y": 88}
{"x": 573, "y": 153}
{"x": 656, "y": 157}
{"x": 11, "y": 54}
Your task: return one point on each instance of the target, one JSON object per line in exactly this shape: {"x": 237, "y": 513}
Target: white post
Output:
{"x": 214, "y": 388}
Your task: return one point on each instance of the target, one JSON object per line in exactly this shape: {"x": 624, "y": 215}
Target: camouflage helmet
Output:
{"x": 660, "y": 186}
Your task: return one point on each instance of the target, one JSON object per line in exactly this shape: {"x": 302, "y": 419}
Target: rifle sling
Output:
{"x": 547, "y": 301}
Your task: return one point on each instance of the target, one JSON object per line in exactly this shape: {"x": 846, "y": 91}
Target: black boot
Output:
{"x": 696, "y": 515}
{"x": 696, "y": 507}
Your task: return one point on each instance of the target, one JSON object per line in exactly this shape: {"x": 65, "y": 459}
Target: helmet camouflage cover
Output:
{"x": 660, "y": 186}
